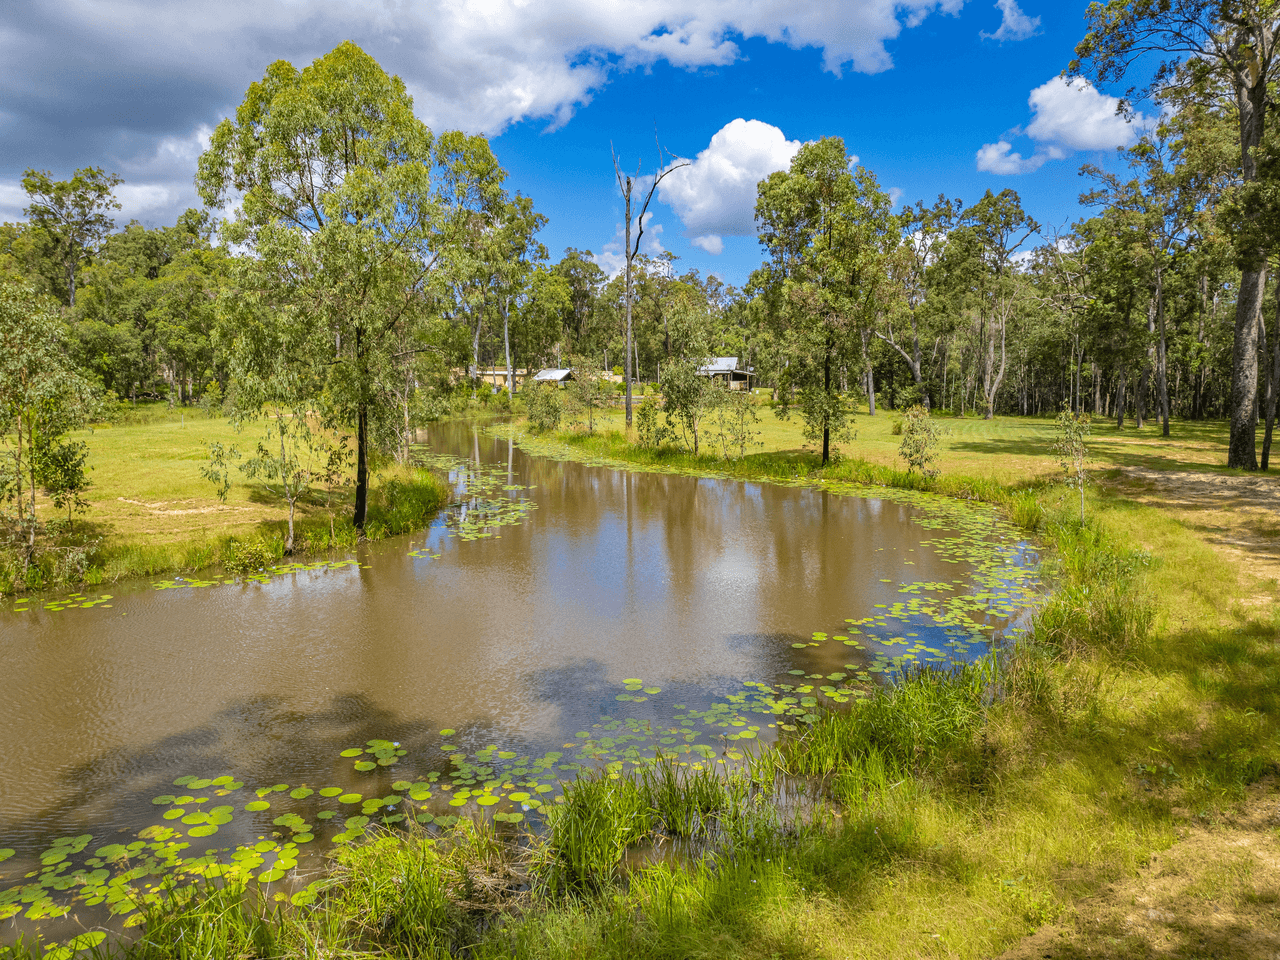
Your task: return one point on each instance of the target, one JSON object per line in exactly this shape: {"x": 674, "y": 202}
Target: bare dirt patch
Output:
{"x": 1214, "y": 893}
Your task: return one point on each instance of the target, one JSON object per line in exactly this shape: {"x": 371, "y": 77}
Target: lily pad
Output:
{"x": 256, "y": 805}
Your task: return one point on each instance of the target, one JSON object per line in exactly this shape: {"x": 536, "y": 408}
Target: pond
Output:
{"x": 560, "y": 613}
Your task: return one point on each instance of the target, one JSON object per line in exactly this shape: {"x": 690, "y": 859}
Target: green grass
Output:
{"x": 150, "y": 511}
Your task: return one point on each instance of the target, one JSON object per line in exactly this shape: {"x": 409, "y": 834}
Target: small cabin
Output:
{"x": 727, "y": 369}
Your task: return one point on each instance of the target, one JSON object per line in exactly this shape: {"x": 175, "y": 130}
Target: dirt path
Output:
{"x": 1214, "y": 893}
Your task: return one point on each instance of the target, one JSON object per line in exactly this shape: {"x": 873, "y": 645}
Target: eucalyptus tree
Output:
{"x": 999, "y": 226}
{"x": 1114, "y": 290}
{"x": 73, "y": 212}
{"x": 1232, "y": 42}
{"x": 825, "y": 227}
{"x": 585, "y": 280}
{"x": 540, "y": 307}
{"x": 924, "y": 234}
{"x": 1060, "y": 267}
{"x": 42, "y": 396}
{"x": 352, "y": 208}
{"x": 1164, "y": 198}
{"x": 514, "y": 255}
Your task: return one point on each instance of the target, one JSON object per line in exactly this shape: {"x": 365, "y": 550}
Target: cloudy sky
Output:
{"x": 934, "y": 97}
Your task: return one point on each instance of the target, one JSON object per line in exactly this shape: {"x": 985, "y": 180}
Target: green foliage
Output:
{"x": 688, "y": 398}
{"x": 349, "y": 203}
{"x": 73, "y": 212}
{"x": 63, "y": 474}
{"x": 919, "y": 445}
{"x": 650, "y": 433}
{"x": 736, "y": 423}
{"x": 42, "y": 396}
{"x": 588, "y": 393}
{"x": 588, "y": 833}
{"x": 542, "y": 402}
{"x": 1072, "y": 430}
{"x": 1098, "y": 603}
{"x": 247, "y": 556}
{"x": 828, "y": 229}
{"x": 905, "y": 727}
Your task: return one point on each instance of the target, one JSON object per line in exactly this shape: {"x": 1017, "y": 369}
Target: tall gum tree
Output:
{"x": 826, "y": 227}
{"x": 1228, "y": 41}
{"x": 353, "y": 208}
{"x": 73, "y": 212}
{"x": 1000, "y": 227}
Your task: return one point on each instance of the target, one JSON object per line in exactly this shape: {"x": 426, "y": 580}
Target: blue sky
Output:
{"x": 933, "y": 97}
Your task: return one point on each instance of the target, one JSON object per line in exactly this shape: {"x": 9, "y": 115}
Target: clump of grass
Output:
{"x": 905, "y": 727}
{"x": 684, "y": 802}
{"x": 1098, "y": 603}
{"x": 600, "y": 817}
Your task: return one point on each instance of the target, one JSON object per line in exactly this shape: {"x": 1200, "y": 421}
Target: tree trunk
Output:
{"x": 1162, "y": 357}
{"x": 826, "y": 420}
{"x": 870, "y": 377}
{"x": 626, "y": 373}
{"x": 506, "y": 340}
{"x": 362, "y": 445}
{"x": 1242, "y": 452}
{"x": 475, "y": 352}
{"x": 994, "y": 386}
{"x": 1273, "y": 388}
{"x": 1120, "y": 388}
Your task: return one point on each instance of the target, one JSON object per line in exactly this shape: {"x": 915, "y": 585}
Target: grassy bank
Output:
{"x": 151, "y": 512}
{"x": 946, "y": 816}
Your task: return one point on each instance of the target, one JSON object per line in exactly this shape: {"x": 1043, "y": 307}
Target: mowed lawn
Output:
{"x": 1012, "y": 449}
{"x": 147, "y": 485}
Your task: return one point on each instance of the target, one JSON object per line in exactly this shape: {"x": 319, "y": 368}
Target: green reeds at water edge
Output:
{"x": 603, "y": 815}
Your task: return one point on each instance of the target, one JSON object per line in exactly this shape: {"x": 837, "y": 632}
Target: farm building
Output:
{"x": 726, "y": 369}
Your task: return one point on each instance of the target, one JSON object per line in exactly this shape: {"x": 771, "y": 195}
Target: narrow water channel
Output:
{"x": 519, "y": 634}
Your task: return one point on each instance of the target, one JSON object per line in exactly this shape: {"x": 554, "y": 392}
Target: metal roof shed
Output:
{"x": 727, "y": 369}
{"x": 553, "y": 376}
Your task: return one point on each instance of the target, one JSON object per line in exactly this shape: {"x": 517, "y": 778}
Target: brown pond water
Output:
{"x": 519, "y": 639}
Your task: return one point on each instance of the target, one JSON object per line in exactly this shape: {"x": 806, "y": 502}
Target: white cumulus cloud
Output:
{"x": 1068, "y": 115}
{"x": 1014, "y": 24}
{"x": 715, "y": 195}
{"x": 1000, "y": 158}
{"x": 711, "y": 243}
{"x": 1074, "y": 115}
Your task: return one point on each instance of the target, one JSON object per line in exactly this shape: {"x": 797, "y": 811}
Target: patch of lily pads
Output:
{"x": 486, "y": 501}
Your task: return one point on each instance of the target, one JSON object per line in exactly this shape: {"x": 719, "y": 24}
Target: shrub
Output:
{"x": 545, "y": 408}
{"x": 650, "y": 432}
{"x": 247, "y": 556}
{"x": 919, "y": 445}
